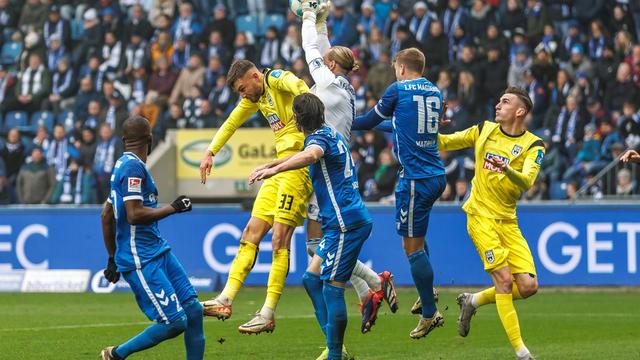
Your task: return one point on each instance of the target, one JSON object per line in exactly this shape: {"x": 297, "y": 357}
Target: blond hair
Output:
{"x": 343, "y": 56}
{"x": 412, "y": 58}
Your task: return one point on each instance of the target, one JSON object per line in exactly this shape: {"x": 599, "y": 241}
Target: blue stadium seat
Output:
{"x": 16, "y": 119}
{"x": 276, "y": 20}
{"x": 247, "y": 23}
{"x": 558, "y": 191}
{"x": 66, "y": 119}
{"x": 42, "y": 118}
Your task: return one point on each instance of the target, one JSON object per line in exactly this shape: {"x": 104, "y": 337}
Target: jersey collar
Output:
{"x": 134, "y": 155}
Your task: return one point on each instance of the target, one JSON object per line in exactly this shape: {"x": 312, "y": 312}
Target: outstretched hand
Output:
{"x": 261, "y": 174}
{"x": 630, "y": 156}
{"x": 443, "y": 120}
{"x": 498, "y": 163}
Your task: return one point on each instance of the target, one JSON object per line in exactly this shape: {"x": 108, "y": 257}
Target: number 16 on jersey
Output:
{"x": 428, "y": 115}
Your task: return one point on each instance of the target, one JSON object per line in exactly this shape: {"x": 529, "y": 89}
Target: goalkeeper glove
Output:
{"x": 111, "y": 272}
{"x": 181, "y": 204}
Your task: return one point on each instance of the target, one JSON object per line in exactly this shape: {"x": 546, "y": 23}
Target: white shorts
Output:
{"x": 313, "y": 211}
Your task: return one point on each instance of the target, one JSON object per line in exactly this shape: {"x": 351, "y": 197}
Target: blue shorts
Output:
{"x": 160, "y": 288}
{"x": 339, "y": 251}
{"x": 414, "y": 200}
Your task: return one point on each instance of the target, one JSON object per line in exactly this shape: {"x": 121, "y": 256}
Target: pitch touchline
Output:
{"x": 106, "y": 325}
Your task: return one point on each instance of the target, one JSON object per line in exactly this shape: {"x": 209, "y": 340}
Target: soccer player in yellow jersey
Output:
{"x": 508, "y": 160}
{"x": 282, "y": 200}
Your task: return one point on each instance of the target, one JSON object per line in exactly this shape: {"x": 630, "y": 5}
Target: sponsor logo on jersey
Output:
{"x": 540, "y": 157}
{"x": 275, "y": 122}
{"x": 517, "y": 149}
{"x": 134, "y": 184}
{"x": 489, "y": 256}
{"x": 489, "y": 166}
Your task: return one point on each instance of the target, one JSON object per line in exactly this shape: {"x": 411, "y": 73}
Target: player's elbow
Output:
{"x": 107, "y": 214}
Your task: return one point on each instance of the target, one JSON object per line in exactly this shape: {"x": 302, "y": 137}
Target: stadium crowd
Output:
{"x": 72, "y": 71}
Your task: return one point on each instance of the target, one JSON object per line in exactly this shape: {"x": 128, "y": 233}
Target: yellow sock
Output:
{"x": 509, "y": 318}
{"x": 488, "y": 296}
{"x": 277, "y": 276}
{"x": 240, "y": 268}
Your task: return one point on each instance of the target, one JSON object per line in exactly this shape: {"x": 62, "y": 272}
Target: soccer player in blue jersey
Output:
{"x": 414, "y": 106}
{"x": 138, "y": 252}
{"x": 346, "y": 223}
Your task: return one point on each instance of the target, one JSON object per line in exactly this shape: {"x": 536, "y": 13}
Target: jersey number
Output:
{"x": 427, "y": 115}
{"x": 348, "y": 166}
{"x": 286, "y": 202}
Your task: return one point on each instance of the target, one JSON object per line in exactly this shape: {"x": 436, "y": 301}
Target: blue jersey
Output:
{"x": 335, "y": 182}
{"x": 136, "y": 245}
{"x": 414, "y": 107}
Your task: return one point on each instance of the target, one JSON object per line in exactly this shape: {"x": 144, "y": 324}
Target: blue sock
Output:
{"x": 336, "y": 319}
{"x": 313, "y": 285}
{"x": 194, "y": 334}
{"x": 152, "y": 336}
{"x": 422, "y": 274}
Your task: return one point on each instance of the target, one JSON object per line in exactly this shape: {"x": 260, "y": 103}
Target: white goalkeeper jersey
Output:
{"x": 335, "y": 91}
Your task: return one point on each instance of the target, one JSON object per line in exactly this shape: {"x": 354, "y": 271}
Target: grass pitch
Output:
{"x": 556, "y": 324}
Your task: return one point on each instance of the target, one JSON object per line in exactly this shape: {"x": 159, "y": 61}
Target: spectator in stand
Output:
{"x": 86, "y": 146}
{"x": 633, "y": 61}
{"x": 536, "y": 14}
{"x": 32, "y": 45}
{"x": 623, "y": 44}
{"x": 605, "y": 70}
{"x": 217, "y": 48}
{"x": 574, "y": 37}
{"x": 55, "y": 53}
{"x": 135, "y": 53}
{"x": 620, "y": 91}
{"x": 369, "y": 147}
{"x": 95, "y": 115}
{"x": 404, "y": 40}
{"x": 220, "y": 100}
{"x": 36, "y": 180}
{"x": 108, "y": 150}
{"x": 112, "y": 54}
{"x": 192, "y": 75}
{"x": 438, "y": 49}
{"x": 8, "y": 16}
{"x": 493, "y": 39}
{"x": 381, "y": 75}
{"x": 445, "y": 84}
{"x": 187, "y": 23}
{"x": 367, "y": 21}
{"x": 587, "y": 157}
{"x": 493, "y": 77}
{"x": 92, "y": 39}
{"x": 222, "y": 25}
{"x": 467, "y": 94}
{"x": 419, "y": 24}
{"x": 623, "y": 21}
{"x": 629, "y": 124}
{"x": 361, "y": 94}
{"x": 7, "y": 82}
{"x": 63, "y": 88}
{"x": 243, "y": 49}
{"x": 59, "y": 151}
{"x": 13, "y": 154}
{"x": 538, "y": 94}
{"x": 518, "y": 69}
{"x": 162, "y": 79}
{"x": 213, "y": 72}
{"x": 33, "y": 86}
{"x": 453, "y": 16}
{"x": 137, "y": 24}
{"x": 375, "y": 46}
{"x": 32, "y": 16}
{"x": 291, "y": 48}
{"x": 394, "y": 21}
{"x": 41, "y": 140}
{"x": 56, "y": 25}
{"x": 578, "y": 62}
{"x": 512, "y": 17}
{"x": 86, "y": 94}
{"x": 161, "y": 8}
{"x": 625, "y": 186}
{"x": 75, "y": 185}
{"x": 181, "y": 52}
{"x": 598, "y": 37}
{"x": 568, "y": 128}
{"x": 384, "y": 179}
{"x": 161, "y": 48}
{"x": 543, "y": 67}
{"x": 462, "y": 191}
{"x": 343, "y": 25}
{"x": 116, "y": 113}
{"x": 480, "y": 16}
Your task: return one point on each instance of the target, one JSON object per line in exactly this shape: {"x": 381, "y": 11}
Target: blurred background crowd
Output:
{"x": 72, "y": 71}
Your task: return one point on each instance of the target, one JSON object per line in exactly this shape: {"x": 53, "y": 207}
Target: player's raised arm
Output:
{"x": 382, "y": 111}
{"x": 460, "y": 139}
{"x": 320, "y": 73}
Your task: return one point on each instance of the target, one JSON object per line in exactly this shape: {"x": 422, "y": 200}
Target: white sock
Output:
{"x": 361, "y": 286}
{"x": 266, "y": 312}
{"x": 224, "y": 299}
{"x": 522, "y": 351}
{"x": 365, "y": 273}
{"x": 474, "y": 300}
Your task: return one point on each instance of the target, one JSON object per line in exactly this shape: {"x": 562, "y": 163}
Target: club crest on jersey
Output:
{"x": 517, "y": 149}
{"x": 489, "y": 166}
{"x": 275, "y": 122}
{"x": 489, "y": 256}
{"x": 134, "y": 184}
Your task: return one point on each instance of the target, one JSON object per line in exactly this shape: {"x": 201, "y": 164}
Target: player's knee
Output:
{"x": 504, "y": 281}
{"x": 192, "y": 309}
{"x": 528, "y": 288}
{"x": 177, "y": 326}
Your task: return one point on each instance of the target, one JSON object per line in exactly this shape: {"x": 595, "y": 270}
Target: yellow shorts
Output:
{"x": 500, "y": 243}
{"x": 284, "y": 198}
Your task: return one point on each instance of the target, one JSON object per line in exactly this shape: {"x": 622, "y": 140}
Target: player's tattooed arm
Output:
{"x": 308, "y": 156}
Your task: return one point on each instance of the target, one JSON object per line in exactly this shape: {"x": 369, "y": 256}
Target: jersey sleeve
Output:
{"x": 530, "y": 169}
{"x": 238, "y": 116}
{"x": 132, "y": 177}
{"x": 320, "y": 73}
{"x": 387, "y": 104}
{"x": 459, "y": 140}
{"x": 286, "y": 81}
{"x": 318, "y": 140}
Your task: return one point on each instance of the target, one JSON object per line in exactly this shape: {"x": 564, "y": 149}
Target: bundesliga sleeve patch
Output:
{"x": 276, "y": 73}
{"x": 134, "y": 184}
{"x": 540, "y": 157}
{"x": 315, "y": 64}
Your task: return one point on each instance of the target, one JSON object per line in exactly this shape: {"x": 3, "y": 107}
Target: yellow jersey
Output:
{"x": 276, "y": 104}
{"x": 493, "y": 192}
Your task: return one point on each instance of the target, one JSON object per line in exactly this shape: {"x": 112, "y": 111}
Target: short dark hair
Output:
{"x": 309, "y": 112}
{"x": 237, "y": 70}
{"x": 523, "y": 95}
{"x": 136, "y": 128}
